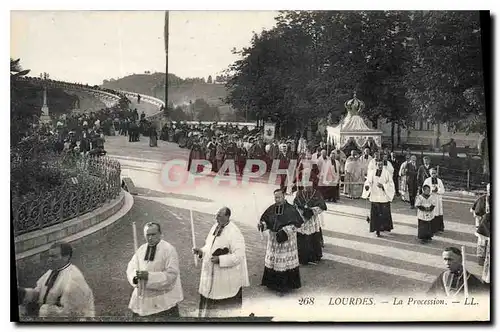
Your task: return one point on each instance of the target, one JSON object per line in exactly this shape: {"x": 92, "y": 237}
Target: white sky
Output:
{"x": 91, "y": 46}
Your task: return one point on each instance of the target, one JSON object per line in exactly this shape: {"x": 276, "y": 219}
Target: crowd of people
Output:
{"x": 86, "y": 132}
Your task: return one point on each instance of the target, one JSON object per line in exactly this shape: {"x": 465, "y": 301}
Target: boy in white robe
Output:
{"x": 157, "y": 282}
{"x": 437, "y": 190}
{"x": 379, "y": 187}
{"x": 224, "y": 270}
{"x": 62, "y": 291}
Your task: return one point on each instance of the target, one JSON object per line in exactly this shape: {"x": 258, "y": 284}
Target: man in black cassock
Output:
{"x": 310, "y": 204}
{"x": 281, "y": 271}
{"x": 411, "y": 180}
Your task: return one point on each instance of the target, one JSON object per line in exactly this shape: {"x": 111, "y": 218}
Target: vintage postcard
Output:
{"x": 250, "y": 165}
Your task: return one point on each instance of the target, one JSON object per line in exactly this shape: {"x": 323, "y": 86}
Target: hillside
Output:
{"x": 180, "y": 91}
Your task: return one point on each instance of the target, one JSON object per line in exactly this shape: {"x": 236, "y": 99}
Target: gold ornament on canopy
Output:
{"x": 354, "y": 105}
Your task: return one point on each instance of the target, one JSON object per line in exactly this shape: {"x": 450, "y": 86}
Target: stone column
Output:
{"x": 45, "y": 118}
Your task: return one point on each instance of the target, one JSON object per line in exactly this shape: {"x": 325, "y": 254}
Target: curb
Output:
{"x": 119, "y": 207}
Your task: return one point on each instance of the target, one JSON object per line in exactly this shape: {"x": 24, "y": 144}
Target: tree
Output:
{"x": 175, "y": 113}
{"x": 204, "y": 112}
{"x": 446, "y": 84}
{"x": 23, "y": 111}
{"x": 310, "y": 64}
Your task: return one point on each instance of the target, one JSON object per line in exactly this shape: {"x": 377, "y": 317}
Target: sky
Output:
{"x": 90, "y": 46}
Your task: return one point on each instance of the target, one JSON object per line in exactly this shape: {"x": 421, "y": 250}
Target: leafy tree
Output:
{"x": 204, "y": 112}
{"x": 311, "y": 62}
{"x": 446, "y": 83}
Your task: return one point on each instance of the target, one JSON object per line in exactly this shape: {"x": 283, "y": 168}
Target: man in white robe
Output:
{"x": 379, "y": 187}
{"x": 62, "y": 291}
{"x": 403, "y": 185}
{"x": 330, "y": 179}
{"x": 154, "y": 273}
{"x": 224, "y": 270}
{"x": 437, "y": 190}
{"x": 388, "y": 165}
{"x": 365, "y": 160}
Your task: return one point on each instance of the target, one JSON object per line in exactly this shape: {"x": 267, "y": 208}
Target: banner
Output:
{"x": 269, "y": 131}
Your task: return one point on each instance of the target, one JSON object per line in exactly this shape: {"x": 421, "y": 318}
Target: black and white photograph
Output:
{"x": 250, "y": 166}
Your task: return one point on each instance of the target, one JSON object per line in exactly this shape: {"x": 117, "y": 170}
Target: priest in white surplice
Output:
{"x": 224, "y": 270}
{"x": 158, "y": 273}
{"x": 62, "y": 291}
{"x": 379, "y": 187}
{"x": 437, "y": 190}
{"x": 365, "y": 160}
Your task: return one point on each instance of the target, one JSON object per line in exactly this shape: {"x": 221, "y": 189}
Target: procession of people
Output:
{"x": 294, "y": 230}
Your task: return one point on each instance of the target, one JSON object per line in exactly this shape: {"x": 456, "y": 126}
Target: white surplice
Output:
{"x": 376, "y": 194}
{"x": 223, "y": 280}
{"x": 163, "y": 289}
{"x": 330, "y": 173}
{"x": 365, "y": 162}
{"x": 372, "y": 166}
{"x": 438, "y": 210}
{"x": 70, "y": 296}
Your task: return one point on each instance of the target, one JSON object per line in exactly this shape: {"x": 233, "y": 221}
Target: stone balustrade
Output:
{"x": 109, "y": 99}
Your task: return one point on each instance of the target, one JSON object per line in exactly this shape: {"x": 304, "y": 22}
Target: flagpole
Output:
{"x": 166, "y": 37}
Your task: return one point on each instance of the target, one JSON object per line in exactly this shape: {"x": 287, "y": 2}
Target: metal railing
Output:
{"x": 97, "y": 181}
{"x": 463, "y": 179}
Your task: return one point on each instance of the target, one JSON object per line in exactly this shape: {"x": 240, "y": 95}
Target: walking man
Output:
{"x": 281, "y": 219}
{"x": 224, "y": 270}
{"x": 154, "y": 273}
{"x": 380, "y": 188}
{"x": 62, "y": 291}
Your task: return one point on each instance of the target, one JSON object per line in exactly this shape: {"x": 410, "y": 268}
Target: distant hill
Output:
{"x": 180, "y": 91}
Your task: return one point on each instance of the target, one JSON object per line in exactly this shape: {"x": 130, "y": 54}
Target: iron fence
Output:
{"x": 96, "y": 180}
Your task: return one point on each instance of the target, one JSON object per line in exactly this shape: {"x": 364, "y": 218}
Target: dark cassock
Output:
{"x": 484, "y": 230}
{"x": 411, "y": 182}
{"x": 307, "y": 169}
{"x": 423, "y": 173}
{"x": 195, "y": 154}
{"x": 241, "y": 159}
{"x": 437, "y": 190}
{"x": 230, "y": 155}
{"x": 281, "y": 271}
{"x": 380, "y": 190}
{"x": 210, "y": 154}
{"x": 425, "y": 204}
{"x": 310, "y": 204}
{"x": 153, "y": 137}
{"x": 479, "y": 210}
{"x": 284, "y": 161}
